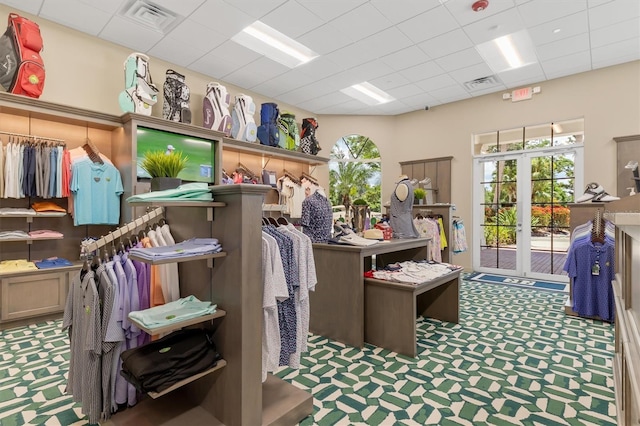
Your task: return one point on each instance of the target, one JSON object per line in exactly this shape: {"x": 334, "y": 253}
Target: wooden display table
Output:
{"x": 338, "y": 306}
{"x": 391, "y": 309}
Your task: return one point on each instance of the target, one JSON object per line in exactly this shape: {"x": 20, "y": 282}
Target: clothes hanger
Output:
{"x": 282, "y": 221}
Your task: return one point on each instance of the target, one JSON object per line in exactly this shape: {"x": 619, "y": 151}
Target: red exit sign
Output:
{"x": 522, "y": 94}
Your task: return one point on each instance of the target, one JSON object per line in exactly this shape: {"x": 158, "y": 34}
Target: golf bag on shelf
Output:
{"x": 21, "y": 67}
{"x": 308, "y": 142}
{"x": 268, "y": 131}
{"x": 244, "y": 125}
{"x": 139, "y": 93}
{"x": 215, "y": 108}
{"x": 176, "y": 98}
{"x": 289, "y": 133}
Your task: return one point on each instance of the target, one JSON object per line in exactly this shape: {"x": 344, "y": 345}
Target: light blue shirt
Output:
{"x": 97, "y": 189}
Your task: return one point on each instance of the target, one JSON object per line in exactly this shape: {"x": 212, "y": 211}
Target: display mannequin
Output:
{"x": 401, "y": 219}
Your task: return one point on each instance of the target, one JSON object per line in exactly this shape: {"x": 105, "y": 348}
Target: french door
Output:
{"x": 521, "y": 219}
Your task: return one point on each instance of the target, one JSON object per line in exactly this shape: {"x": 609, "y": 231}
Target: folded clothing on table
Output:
{"x": 191, "y": 247}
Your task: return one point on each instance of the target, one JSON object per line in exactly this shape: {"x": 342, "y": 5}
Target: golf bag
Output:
{"x": 244, "y": 125}
{"x": 289, "y": 133}
{"x": 215, "y": 108}
{"x": 140, "y": 94}
{"x": 268, "y": 132}
{"x": 176, "y": 98}
{"x": 21, "y": 67}
{"x": 308, "y": 142}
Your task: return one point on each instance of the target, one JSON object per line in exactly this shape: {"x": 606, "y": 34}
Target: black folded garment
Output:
{"x": 160, "y": 364}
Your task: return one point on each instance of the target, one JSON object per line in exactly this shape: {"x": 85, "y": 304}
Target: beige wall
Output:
{"x": 86, "y": 72}
{"x": 608, "y": 99}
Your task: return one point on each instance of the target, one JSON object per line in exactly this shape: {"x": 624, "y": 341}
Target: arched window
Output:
{"x": 355, "y": 172}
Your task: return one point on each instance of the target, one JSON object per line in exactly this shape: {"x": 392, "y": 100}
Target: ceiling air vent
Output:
{"x": 482, "y": 83}
{"x": 150, "y": 15}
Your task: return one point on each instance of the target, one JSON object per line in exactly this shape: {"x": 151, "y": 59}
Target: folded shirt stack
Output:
{"x": 17, "y": 265}
{"x": 15, "y": 211}
{"x": 44, "y": 207}
{"x": 191, "y": 247}
{"x": 179, "y": 310}
{"x": 414, "y": 272}
{"x": 10, "y": 235}
{"x": 45, "y": 233}
{"x": 53, "y": 262}
{"x": 195, "y": 191}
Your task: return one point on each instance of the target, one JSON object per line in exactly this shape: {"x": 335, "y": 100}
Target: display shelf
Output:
{"x": 265, "y": 151}
{"x": 178, "y": 259}
{"x": 29, "y": 240}
{"x": 30, "y": 217}
{"x": 220, "y": 364}
{"x": 76, "y": 266}
{"x": 160, "y": 203}
{"x": 219, "y": 313}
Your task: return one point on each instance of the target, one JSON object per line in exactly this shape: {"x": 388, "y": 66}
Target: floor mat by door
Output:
{"x": 519, "y": 282}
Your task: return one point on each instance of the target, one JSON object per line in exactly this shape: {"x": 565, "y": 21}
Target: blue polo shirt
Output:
{"x": 97, "y": 189}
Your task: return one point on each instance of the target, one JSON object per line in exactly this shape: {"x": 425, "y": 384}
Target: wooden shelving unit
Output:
{"x": 220, "y": 364}
{"x": 29, "y": 240}
{"x": 178, "y": 259}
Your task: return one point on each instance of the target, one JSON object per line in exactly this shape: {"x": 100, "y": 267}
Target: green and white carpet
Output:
{"x": 514, "y": 359}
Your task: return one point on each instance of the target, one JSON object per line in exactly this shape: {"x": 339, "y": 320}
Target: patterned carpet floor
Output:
{"x": 514, "y": 359}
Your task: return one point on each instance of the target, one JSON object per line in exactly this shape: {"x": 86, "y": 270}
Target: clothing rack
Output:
{"x": 22, "y": 135}
{"x": 92, "y": 151}
{"x": 310, "y": 178}
{"x": 123, "y": 230}
{"x": 246, "y": 171}
{"x": 291, "y": 176}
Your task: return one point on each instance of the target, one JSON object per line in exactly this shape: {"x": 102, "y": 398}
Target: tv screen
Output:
{"x": 200, "y": 153}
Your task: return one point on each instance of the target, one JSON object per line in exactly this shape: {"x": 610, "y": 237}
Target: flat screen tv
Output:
{"x": 200, "y": 153}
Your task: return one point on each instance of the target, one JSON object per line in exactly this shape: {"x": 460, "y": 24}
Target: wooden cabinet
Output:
{"x": 626, "y": 290}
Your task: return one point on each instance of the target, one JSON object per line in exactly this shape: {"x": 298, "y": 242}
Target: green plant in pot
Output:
{"x": 164, "y": 168}
{"x": 418, "y": 195}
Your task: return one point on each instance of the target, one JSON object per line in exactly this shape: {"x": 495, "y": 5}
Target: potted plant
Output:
{"x": 164, "y": 168}
{"x": 418, "y": 195}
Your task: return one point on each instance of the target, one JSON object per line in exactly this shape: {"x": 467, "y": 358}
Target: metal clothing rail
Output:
{"x": 130, "y": 227}
{"x": 22, "y": 135}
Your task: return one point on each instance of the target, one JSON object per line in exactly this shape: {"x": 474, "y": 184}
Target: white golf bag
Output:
{"x": 140, "y": 93}
{"x": 215, "y": 108}
{"x": 244, "y": 126}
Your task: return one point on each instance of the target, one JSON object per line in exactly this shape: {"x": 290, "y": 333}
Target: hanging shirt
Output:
{"x": 97, "y": 189}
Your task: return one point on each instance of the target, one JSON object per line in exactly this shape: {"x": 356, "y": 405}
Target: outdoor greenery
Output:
{"x": 552, "y": 181}
{"x": 351, "y": 176}
{"x": 160, "y": 164}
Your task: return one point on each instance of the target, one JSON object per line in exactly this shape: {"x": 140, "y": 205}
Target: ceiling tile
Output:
{"x": 538, "y": 12}
{"x": 464, "y": 14}
{"x": 454, "y": 96}
{"x": 247, "y": 78}
{"x": 234, "y": 53}
{"x": 371, "y": 70}
{"x": 406, "y": 58}
{"x": 422, "y": 71}
{"x": 76, "y": 14}
{"x": 615, "y": 33}
{"x": 106, "y": 6}
{"x": 227, "y": 20}
{"x": 126, "y": 33}
{"x": 616, "y": 53}
{"x": 404, "y": 91}
{"x": 445, "y": 44}
{"x": 292, "y": 19}
{"x": 325, "y": 39}
{"x": 595, "y": 3}
{"x": 352, "y": 55}
{"x": 566, "y": 65}
{"x": 337, "y": 8}
{"x": 283, "y": 83}
{"x": 198, "y": 36}
{"x": 471, "y": 73}
{"x": 464, "y": 58}
{"x": 613, "y": 12}
{"x": 213, "y": 66}
{"x": 390, "y": 81}
{"x": 420, "y": 100}
{"x": 350, "y": 107}
{"x": 29, "y": 6}
{"x": 386, "y": 42}
{"x": 493, "y": 89}
{"x": 297, "y": 96}
{"x": 494, "y": 26}
{"x": 408, "y": 9}
{"x": 566, "y": 46}
{"x": 429, "y": 24}
{"x": 568, "y": 26}
{"x": 433, "y": 83}
{"x": 176, "y": 52}
{"x": 254, "y": 8}
{"x": 362, "y": 22}
{"x": 518, "y": 76}
{"x": 319, "y": 68}
{"x": 183, "y": 7}
{"x": 325, "y": 101}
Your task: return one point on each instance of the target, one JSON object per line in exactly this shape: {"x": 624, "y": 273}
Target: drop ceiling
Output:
{"x": 421, "y": 52}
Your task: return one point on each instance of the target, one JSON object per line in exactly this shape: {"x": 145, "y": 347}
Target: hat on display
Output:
{"x": 595, "y": 193}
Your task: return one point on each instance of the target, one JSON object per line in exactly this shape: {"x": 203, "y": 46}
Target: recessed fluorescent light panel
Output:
{"x": 368, "y": 93}
{"x": 508, "y": 52}
{"x": 271, "y": 43}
